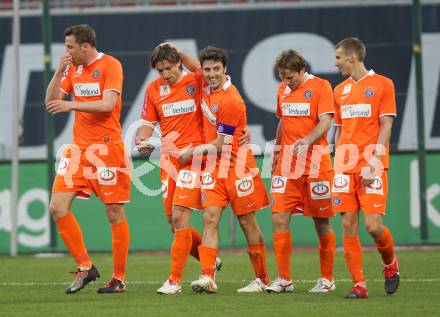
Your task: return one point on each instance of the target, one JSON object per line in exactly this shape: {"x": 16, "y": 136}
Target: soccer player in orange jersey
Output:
{"x": 96, "y": 161}
{"x": 305, "y": 110}
{"x": 365, "y": 108}
{"x": 234, "y": 177}
{"x": 173, "y": 102}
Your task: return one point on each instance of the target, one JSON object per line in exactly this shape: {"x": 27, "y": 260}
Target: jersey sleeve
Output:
{"x": 113, "y": 77}
{"x": 149, "y": 111}
{"x": 388, "y": 100}
{"x": 279, "y": 112}
{"x": 325, "y": 102}
{"x": 66, "y": 84}
{"x": 229, "y": 115}
{"x": 337, "y": 109}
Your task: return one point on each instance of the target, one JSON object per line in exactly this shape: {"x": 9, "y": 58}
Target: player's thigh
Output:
{"x": 60, "y": 203}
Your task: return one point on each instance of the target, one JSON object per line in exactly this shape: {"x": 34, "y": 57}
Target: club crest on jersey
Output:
{"x": 186, "y": 179}
{"x": 208, "y": 182}
{"x": 341, "y": 183}
{"x": 96, "y": 74}
{"x": 165, "y": 188}
{"x": 376, "y": 187}
{"x": 308, "y": 94}
{"x": 244, "y": 186}
{"x": 190, "y": 90}
{"x": 369, "y": 92}
{"x": 278, "y": 184}
{"x": 320, "y": 190}
{"x": 214, "y": 108}
{"x": 164, "y": 90}
{"x": 107, "y": 175}
{"x": 347, "y": 89}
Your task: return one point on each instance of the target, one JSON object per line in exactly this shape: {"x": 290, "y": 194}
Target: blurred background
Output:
{"x": 253, "y": 33}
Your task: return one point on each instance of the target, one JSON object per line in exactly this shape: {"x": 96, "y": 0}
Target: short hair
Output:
{"x": 353, "y": 45}
{"x": 83, "y": 34}
{"x": 165, "y": 52}
{"x": 290, "y": 60}
{"x": 211, "y": 53}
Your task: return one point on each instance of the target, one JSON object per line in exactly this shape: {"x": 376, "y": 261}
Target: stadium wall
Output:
{"x": 150, "y": 231}
{"x": 253, "y": 37}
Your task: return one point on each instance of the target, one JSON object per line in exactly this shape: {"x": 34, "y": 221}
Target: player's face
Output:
{"x": 344, "y": 62}
{"x": 214, "y": 73}
{"x": 292, "y": 78}
{"x": 169, "y": 71}
{"x": 77, "y": 51}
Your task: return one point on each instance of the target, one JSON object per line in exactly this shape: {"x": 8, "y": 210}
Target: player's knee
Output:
{"x": 115, "y": 213}
{"x": 177, "y": 217}
{"x": 374, "y": 229}
{"x": 322, "y": 227}
{"x": 280, "y": 224}
{"x": 57, "y": 210}
{"x": 210, "y": 221}
{"x": 248, "y": 221}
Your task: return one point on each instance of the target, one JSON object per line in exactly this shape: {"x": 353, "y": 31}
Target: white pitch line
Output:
{"x": 408, "y": 280}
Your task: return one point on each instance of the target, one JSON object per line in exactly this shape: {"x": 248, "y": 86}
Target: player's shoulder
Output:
{"x": 109, "y": 60}
{"x": 341, "y": 86}
{"x": 233, "y": 95}
{"x": 282, "y": 88}
{"x": 382, "y": 79}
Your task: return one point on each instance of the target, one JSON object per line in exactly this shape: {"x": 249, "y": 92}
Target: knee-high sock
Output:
{"x": 120, "y": 245}
{"x": 327, "y": 252}
{"x": 353, "y": 258}
{"x": 257, "y": 255}
{"x": 196, "y": 242}
{"x": 70, "y": 232}
{"x": 207, "y": 260}
{"x": 179, "y": 253}
{"x": 282, "y": 244}
{"x": 385, "y": 245}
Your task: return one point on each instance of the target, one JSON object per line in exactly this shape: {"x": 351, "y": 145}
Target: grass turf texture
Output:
{"x": 32, "y": 286}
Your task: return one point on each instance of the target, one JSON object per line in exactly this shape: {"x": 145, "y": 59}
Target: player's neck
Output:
{"x": 91, "y": 57}
{"x": 359, "y": 72}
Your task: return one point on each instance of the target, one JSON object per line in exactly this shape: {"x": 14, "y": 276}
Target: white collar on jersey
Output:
{"x": 370, "y": 73}
{"x": 287, "y": 90}
{"x": 99, "y": 56}
{"x": 226, "y": 85}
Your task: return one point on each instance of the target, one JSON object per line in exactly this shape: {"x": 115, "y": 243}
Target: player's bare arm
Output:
{"x": 276, "y": 150}
{"x": 321, "y": 128}
{"x": 53, "y": 91}
{"x": 386, "y": 123}
{"x": 105, "y": 105}
{"x": 189, "y": 62}
{"x": 203, "y": 149}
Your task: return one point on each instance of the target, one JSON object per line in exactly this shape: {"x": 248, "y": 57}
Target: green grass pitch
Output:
{"x": 32, "y": 286}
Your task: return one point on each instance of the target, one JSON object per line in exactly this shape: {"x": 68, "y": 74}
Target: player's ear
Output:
{"x": 225, "y": 70}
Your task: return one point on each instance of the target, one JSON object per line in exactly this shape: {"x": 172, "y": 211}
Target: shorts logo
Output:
{"x": 369, "y": 92}
{"x": 244, "y": 186}
{"x": 336, "y": 201}
{"x": 164, "y": 90}
{"x": 208, "y": 181}
{"x": 308, "y": 94}
{"x": 165, "y": 188}
{"x": 214, "y": 108}
{"x": 62, "y": 166}
{"x": 376, "y": 187}
{"x": 341, "y": 183}
{"x": 107, "y": 175}
{"x": 190, "y": 90}
{"x": 96, "y": 74}
{"x": 203, "y": 196}
{"x": 278, "y": 184}
{"x": 320, "y": 190}
{"x": 186, "y": 179}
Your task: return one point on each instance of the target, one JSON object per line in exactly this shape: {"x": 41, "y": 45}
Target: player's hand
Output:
{"x": 143, "y": 146}
{"x": 58, "y": 106}
{"x": 300, "y": 146}
{"x": 246, "y": 137}
{"x": 367, "y": 174}
{"x": 186, "y": 156}
{"x": 65, "y": 60}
